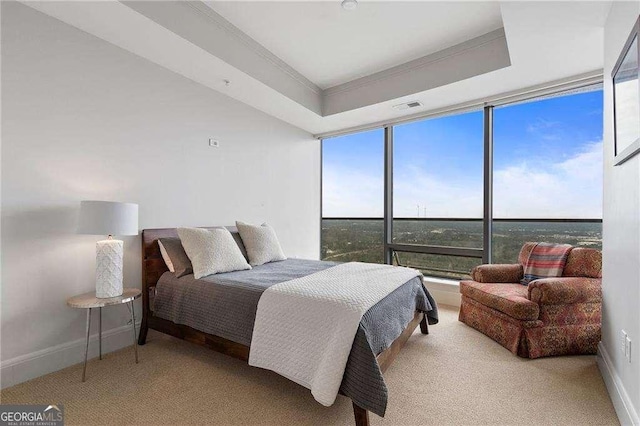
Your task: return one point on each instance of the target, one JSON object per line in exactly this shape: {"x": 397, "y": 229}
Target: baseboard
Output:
{"x": 445, "y": 292}
{"x": 625, "y": 410}
{"x": 446, "y": 297}
{"x": 39, "y": 363}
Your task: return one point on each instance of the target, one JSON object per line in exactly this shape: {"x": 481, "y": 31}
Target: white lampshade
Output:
{"x": 108, "y": 218}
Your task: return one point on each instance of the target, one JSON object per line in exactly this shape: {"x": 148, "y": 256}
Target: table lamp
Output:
{"x": 108, "y": 218}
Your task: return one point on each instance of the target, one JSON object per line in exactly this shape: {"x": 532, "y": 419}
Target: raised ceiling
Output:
{"x": 331, "y": 46}
{"x": 321, "y": 68}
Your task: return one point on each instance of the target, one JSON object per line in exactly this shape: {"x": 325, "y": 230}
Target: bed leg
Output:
{"x": 424, "y": 326}
{"x": 142, "y": 335}
{"x": 361, "y": 415}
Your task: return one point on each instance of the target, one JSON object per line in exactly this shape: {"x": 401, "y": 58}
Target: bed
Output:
{"x": 219, "y": 311}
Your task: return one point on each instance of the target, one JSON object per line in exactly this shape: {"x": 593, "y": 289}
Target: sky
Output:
{"x": 547, "y": 164}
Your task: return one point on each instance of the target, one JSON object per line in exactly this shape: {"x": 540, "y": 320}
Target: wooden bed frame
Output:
{"x": 153, "y": 267}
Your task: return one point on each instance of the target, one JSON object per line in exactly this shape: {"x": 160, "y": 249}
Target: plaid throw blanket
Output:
{"x": 545, "y": 260}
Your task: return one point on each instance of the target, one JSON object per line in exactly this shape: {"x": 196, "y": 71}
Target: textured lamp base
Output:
{"x": 109, "y": 254}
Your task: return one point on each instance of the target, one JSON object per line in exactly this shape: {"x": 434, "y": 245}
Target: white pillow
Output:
{"x": 261, "y": 243}
{"x": 212, "y": 251}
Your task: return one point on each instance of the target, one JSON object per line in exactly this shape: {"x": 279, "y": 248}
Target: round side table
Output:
{"x": 89, "y": 301}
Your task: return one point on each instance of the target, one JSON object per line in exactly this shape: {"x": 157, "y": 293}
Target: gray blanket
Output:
{"x": 225, "y": 305}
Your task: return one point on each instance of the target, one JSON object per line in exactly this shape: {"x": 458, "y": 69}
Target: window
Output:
{"x": 546, "y": 185}
{"x": 437, "y": 190}
{"x": 547, "y": 177}
{"x": 353, "y": 197}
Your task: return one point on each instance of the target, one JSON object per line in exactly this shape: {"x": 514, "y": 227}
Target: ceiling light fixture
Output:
{"x": 349, "y": 4}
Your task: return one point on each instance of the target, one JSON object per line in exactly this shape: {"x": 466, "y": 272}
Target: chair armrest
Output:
{"x": 498, "y": 273}
{"x": 565, "y": 290}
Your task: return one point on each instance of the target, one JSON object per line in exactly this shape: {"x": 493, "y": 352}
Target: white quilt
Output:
{"x": 305, "y": 327}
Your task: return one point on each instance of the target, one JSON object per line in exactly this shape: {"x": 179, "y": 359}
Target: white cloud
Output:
{"x": 351, "y": 193}
{"x": 441, "y": 198}
{"x": 568, "y": 188}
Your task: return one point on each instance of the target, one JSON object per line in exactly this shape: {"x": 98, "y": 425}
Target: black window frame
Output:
{"x": 484, "y": 253}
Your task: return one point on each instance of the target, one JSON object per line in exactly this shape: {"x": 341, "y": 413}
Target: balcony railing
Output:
{"x": 448, "y": 247}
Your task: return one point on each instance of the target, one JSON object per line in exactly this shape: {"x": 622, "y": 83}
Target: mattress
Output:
{"x": 225, "y": 305}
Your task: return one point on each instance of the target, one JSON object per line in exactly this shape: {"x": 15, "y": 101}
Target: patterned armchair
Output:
{"x": 550, "y": 316}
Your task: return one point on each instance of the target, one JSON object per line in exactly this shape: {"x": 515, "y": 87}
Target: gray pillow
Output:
{"x": 165, "y": 257}
{"x": 174, "y": 256}
{"x": 261, "y": 243}
{"x": 212, "y": 251}
{"x": 236, "y": 236}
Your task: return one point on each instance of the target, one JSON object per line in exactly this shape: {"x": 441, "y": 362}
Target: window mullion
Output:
{"x": 388, "y": 194}
{"x": 487, "y": 224}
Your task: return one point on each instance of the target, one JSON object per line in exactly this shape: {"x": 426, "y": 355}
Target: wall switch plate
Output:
{"x": 214, "y": 143}
{"x": 623, "y": 342}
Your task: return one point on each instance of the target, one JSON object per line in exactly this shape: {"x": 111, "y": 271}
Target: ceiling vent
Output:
{"x": 407, "y": 105}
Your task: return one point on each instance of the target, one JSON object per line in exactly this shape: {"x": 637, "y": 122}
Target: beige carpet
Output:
{"x": 455, "y": 375}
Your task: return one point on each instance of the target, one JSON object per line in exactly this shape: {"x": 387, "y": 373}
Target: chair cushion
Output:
{"x": 566, "y": 290}
{"x": 583, "y": 262}
{"x": 510, "y": 299}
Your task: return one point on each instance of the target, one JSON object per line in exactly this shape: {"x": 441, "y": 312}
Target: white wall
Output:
{"x": 83, "y": 119}
{"x": 621, "y": 241}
